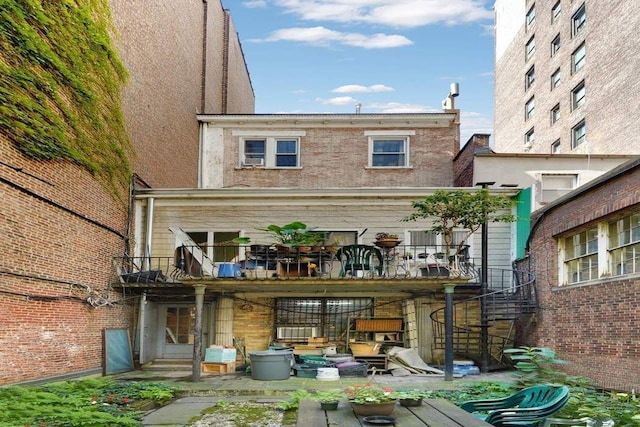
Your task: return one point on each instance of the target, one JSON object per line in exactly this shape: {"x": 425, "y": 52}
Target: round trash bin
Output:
{"x": 271, "y": 365}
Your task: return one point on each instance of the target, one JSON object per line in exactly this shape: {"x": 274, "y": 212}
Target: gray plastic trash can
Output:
{"x": 271, "y": 365}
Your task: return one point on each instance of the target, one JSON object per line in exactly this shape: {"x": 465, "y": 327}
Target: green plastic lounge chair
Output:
{"x": 364, "y": 258}
{"x": 586, "y": 422}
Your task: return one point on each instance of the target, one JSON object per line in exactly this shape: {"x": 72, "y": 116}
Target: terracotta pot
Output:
{"x": 385, "y": 408}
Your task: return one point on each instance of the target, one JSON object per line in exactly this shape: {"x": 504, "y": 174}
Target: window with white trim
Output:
{"x": 270, "y": 152}
{"x": 581, "y": 256}
{"x": 578, "y": 58}
{"x": 578, "y": 20}
{"x": 388, "y": 151}
{"x": 578, "y": 134}
{"x": 624, "y": 245}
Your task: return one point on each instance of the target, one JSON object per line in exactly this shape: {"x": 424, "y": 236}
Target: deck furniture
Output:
{"x": 360, "y": 261}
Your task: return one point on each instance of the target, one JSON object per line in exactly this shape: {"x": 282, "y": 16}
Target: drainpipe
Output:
{"x": 149, "y": 230}
{"x": 448, "y": 331}
{"x": 141, "y": 328}
{"x": 197, "y": 333}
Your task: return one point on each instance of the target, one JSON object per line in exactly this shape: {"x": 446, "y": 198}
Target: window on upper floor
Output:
{"x": 530, "y": 77}
{"x": 555, "y": 45}
{"x": 530, "y": 48}
{"x": 556, "y": 185}
{"x": 531, "y": 16}
{"x": 555, "y": 11}
{"x": 270, "y": 152}
{"x": 578, "y": 134}
{"x": 579, "y": 254}
{"x": 529, "y": 139}
{"x": 578, "y": 20}
{"x": 555, "y": 114}
{"x": 529, "y": 108}
{"x": 555, "y": 79}
{"x": 555, "y": 147}
{"x": 624, "y": 245}
{"x": 578, "y": 96}
{"x": 578, "y": 58}
{"x": 388, "y": 151}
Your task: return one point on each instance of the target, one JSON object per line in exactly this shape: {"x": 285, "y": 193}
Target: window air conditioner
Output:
{"x": 253, "y": 162}
{"x": 297, "y": 333}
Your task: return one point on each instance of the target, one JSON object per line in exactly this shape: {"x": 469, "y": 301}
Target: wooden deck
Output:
{"x": 432, "y": 413}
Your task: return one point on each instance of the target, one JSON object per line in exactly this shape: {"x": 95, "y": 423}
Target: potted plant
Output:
{"x": 329, "y": 399}
{"x": 409, "y": 397}
{"x": 387, "y": 240}
{"x": 371, "y": 399}
{"x": 295, "y": 235}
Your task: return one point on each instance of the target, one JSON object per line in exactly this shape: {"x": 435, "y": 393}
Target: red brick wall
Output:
{"x": 463, "y": 162}
{"x": 60, "y": 229}
{"x": 594, "y": 325}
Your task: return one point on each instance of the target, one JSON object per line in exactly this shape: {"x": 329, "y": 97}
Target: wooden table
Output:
{"x": 432, "y": 413}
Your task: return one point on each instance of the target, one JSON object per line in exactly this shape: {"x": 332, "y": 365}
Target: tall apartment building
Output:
{"x": 566, "y": 76}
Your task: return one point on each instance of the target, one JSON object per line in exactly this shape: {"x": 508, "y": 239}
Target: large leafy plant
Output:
{"x": 294, "y": 234}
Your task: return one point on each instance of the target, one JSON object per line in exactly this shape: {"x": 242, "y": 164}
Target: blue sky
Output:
{"x": 324, "y": 56}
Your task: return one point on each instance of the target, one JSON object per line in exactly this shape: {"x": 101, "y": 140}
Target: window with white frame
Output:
{"x": 530, "y": 77}
{"x": 581, "y": 256}
{"x": 556, "y": 185}
{"x": 555, "y": 114}
{"x": 388, "y": 151}
{"x": 530, "y": 48}
{"x": 555, "y": 147}
{"x": 531, "y": 16}
{"x": 624, "y": 245}
{"x": 269, "y": 151}
{"x": 555, "y": 79}
{"x": 578, "y": 134}
{"x": 555, "y": 45}
{"x": 578, "y": 96}
{"x": 529, "y": 108}
{"x": 555, "y": 11}
{"x": 578, "y": 20}
{"x": 578, "y": 58}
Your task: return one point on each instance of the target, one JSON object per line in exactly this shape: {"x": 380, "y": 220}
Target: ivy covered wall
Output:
{"x": 60, "y": 83}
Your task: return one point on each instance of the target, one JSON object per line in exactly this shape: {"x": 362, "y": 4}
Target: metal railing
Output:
{"x": 260, "y": 262}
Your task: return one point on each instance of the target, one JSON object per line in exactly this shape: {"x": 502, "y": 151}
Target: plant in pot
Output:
{"x": 387, "y": 240}
{"x": 371, "y": 399}
{"x": 409, "y": 397}
{"x": 460, "y": 210}
{"x": 294, "y": 235}
{"x": 329, "y": 399}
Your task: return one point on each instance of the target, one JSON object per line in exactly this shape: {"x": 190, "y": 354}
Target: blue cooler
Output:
{"x": 228, "y": 269}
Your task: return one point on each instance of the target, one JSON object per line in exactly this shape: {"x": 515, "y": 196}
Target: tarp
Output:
{"x": 409, "y": 359}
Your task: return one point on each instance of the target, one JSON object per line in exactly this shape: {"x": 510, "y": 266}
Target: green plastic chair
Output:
{"x": 365, "y": 258}
{"x": 528, "y": 407}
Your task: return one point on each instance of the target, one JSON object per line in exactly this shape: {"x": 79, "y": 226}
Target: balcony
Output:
{"x": 260, "y": 268}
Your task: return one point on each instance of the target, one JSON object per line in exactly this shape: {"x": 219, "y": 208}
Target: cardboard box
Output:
{"x": 220, "y": 355}
{"x": 317, "y": 340}
{"x": 218, "y": 368}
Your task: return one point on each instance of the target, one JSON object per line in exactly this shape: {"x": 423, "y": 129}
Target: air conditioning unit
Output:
{"x": 297, "y": 333}
{"x": 253, "y": 162}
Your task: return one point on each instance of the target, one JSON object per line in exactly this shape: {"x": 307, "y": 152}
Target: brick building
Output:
{"x": 61, "y": 226}
{"x": 563, "y": 72}
{"x": 585, "y": 252}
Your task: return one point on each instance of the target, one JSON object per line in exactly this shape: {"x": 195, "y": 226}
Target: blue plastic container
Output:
{"x": 227, "y": 269}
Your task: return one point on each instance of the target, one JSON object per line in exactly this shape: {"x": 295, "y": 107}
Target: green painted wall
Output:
{"x": 523, "y": 222}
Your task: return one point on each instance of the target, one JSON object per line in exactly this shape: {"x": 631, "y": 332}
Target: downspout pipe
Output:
{"x": 148, "y": 233}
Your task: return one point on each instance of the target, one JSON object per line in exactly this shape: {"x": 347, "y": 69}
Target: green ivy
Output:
{"x": 60, "y": 84}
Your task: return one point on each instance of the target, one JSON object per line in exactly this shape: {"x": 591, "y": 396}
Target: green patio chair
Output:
{"x": 365, "y": 258}
{"x": 528, "y": 407}
{"x": 580, "y": 422}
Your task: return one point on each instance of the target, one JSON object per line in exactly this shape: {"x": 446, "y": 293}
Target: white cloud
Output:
{"x": 339, "y": 100}
{"x": 472, "y": 122}
{"x": 397, "y": 107}
{"x": 321, "y": 36}
{"x": 393, "y": 13}
{"x": 362, "y": 89}
{"x": 254, "y": 4}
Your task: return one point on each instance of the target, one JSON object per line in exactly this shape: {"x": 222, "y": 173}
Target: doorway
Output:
{"x": 176, "y": 327}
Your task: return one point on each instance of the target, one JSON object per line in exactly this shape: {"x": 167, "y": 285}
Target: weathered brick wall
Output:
{"x": 60, "y": 229}
{"x": 253, "y": 320}
{"x": 594, "y": 326}
{"x": 463, "y": 162}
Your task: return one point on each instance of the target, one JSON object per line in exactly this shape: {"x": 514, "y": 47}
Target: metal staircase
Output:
{"x": 510, "y": 298}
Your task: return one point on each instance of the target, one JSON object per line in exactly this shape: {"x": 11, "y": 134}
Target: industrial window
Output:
{"x": 581, "y": 256}
{"x": 389, "y": 151}
{"x": 529, "y": 108}
{"x": 578, "y": 96}
{"x": 578, "y": 134}
{"x": 531, "y": 16}
{"x": 530, "y": 48}
{"x": 555, "y": 11}
{"x": 578, "y": 58}
{"x": 555, "y": 79}
{"x": 555, "y": 114}
{"x": 530, "y": 77}
{"x": 555, "y": 45}
{"x": 624, "y": 245}
{"x": 578, "y": 20}
{"x": 555, "y": 147}
{"x": 297, "y": 319}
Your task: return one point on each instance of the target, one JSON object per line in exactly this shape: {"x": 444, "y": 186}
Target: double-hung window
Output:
{"x": 269, "y": 150}
{"x": 555, "y": 11}
{"x": 531, "y": 16}
{"x": 388, "y": 149}
{"x": 530, "y": 48}
{"x": 578, "y": 134}
{"x": 530, "y": 77}
{"x": 581, "y": 256}
{"x": 555, "y": 114}
{"x": 555, "y": 147}
{"x": 624, "y": 245}
{"x": 555, "y": 45}
{"x": 555, "y": 79}
{"x": 529, "y": 108}
{"x": 578, "y": 96}
{"x": 578, "y": 58}
{"x": 578, "y": 20}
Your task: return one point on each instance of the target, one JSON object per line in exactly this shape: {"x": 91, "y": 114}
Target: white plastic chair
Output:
{"x": 580, "y": 422}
